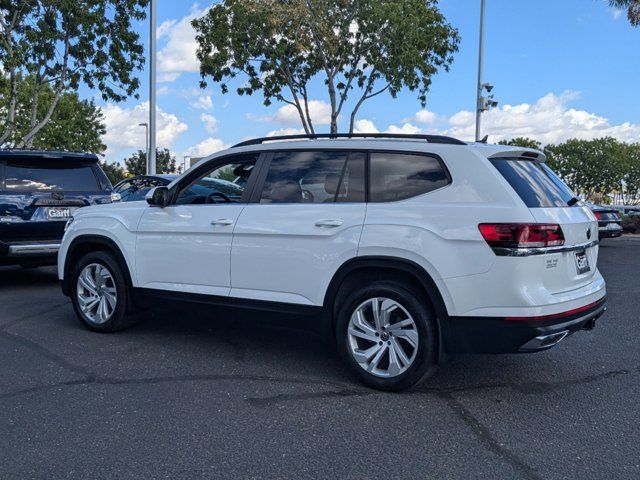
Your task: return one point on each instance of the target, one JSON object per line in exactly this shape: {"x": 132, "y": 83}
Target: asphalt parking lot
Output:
{"x": 244, "y": 396}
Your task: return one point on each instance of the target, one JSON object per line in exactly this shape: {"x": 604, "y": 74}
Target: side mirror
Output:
{"x": 158, "y": 197}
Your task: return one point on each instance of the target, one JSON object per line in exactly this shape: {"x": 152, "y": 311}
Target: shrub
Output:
{"x": 631, "y": 224}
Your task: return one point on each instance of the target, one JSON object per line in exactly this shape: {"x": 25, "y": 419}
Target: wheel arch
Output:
{"x": 381, "y": 267}
{"x": 89, "y": 243}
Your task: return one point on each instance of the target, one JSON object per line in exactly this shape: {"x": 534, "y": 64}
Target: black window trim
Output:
{"x": 266, "y": 156}
{"x": 192, "y": 176}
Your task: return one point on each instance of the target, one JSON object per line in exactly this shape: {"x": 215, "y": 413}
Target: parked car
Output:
{"x": 136, "y": 188}
{"x": 39, "y": 191}
{"x": 415, "y": 247}
{"x": 609, "y": 221}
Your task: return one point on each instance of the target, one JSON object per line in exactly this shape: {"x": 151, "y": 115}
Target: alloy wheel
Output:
{"x": 96, "y": 293}
{"x": 383, "y": 337}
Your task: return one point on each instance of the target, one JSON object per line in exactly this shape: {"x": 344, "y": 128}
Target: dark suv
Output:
{"x": 39, "y": 191}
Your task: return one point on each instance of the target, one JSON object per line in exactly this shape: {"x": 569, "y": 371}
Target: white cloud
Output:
{"x": 405, "y": 128}
{"x": 210, "y": 122}
{"x": 206, "y": 147}
{"x": 319, "y": 110}
{"x": 364, "y": 126}
{"x": 179, "y": 53}
{"x": 549, "y": 120}
{"x": 285, "y": 131}
{"x": 203, "y": 102}
{"x": 423, "y": 116}
{"x": 124, "y": 131}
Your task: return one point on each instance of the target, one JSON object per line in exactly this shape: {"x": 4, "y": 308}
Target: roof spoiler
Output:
{"x": 521, "y": 154}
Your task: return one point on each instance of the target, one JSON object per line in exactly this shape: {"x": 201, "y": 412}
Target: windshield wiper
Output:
{"x": 573, "y": 201}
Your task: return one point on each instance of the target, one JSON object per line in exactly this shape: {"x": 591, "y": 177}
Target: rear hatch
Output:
{"x": 38, "y": 193}
{"x": 551, "y": 201}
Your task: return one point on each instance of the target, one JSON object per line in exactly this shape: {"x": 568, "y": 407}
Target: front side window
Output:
{"x": 315, "y": 177}
{"x": 535, "y": 183}
{"x": 50, "y": 174}
{"x": 224, "y": 183}
{"x": 398, "y": 176}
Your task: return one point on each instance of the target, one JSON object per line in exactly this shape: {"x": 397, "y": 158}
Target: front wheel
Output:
{"x": 99, "y": 293}
{"x": 386, "y": 333}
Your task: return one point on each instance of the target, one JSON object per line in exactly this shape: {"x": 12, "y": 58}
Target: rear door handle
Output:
{"x": 328, "y": 223}
{"x": 222, "y": 222}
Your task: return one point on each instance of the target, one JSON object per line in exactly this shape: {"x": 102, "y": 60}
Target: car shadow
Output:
{"x": 18, "y": 276}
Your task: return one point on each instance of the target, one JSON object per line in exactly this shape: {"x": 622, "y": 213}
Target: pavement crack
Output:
{"x": 55, "y": 358}
{"x": 29, "y": 316}
{"x": 487, "y": 439}
{"x": 264, "y": 402}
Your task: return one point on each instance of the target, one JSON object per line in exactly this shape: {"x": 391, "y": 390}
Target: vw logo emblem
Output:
{"x": 588, "y": 233}
{"x": 57, "y": 196}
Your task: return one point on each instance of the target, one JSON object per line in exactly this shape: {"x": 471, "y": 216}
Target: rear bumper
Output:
{"x": 502, "y": 335}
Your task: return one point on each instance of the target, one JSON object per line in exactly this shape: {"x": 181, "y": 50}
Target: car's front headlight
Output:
{"x": 68, "y": 224}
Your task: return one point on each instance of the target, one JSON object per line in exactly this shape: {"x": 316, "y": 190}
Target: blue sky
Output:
{"x": 561, "y": 69}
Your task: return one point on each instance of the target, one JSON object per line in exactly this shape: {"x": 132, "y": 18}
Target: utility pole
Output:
{"x": 151, "y": 155}
{"x": 146, "y": 140}
{"x": 482, "y": 103}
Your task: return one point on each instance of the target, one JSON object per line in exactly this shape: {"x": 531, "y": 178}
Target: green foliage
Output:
{"x": 600, "y": 170}
{"x": 632, "y": 7}
{"x": 75, "y": 124}
{"x": 589, "y": 167}
{"x": 136, "y": 164}
{"x": 63, "y": 44}
{"x": 114, "y": 172}
{"x": 522, "y": 142}
{"x": 364, "y": 47}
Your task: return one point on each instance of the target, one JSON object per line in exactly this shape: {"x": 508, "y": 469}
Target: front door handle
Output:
{"x": 328, "y": 223}
{"x": 222, "y": 222}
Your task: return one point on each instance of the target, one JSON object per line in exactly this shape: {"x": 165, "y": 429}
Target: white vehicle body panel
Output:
{"x": 277, "y": 253}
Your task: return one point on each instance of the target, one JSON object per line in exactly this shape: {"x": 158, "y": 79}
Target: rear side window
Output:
{"x": 315, "y": 177}
{"x": 534, "y": 182}
{"x": 398, "y": 176}
{"x": 50, "y": 174}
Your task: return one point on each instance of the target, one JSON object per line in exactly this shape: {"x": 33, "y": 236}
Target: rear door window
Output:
{"x": 535, "y": 183}
{"x": 315, "y": 177}
{"x": 51, "y": 174}
{"x": 398, "y": 176}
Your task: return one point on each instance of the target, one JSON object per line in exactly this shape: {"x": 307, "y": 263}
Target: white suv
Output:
{"x": 410, "y": 246}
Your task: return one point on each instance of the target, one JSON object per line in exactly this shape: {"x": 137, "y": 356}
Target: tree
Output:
{"x": 114, "y": 172}
{"x": 63, "y": 44}
{"x": 632, "y": 7}
{"x": 359, "y": 49}
{"x": 522, "y": 142}
{"x": 75, "y": 125}
{"x": 590, "y": 167}
{"x": 136, "y": 164}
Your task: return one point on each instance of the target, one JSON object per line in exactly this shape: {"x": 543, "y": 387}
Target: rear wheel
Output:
{"x": 100, "y": 294}
{"x": 386, "y": 333}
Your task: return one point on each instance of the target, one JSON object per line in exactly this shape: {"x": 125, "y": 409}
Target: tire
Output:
{"x": 404, "y": 304}
{"x": 104, "y": 280}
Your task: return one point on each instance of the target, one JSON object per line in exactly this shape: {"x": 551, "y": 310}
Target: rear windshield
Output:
{"x": 534, "y": 182}
{"x": 50, "y": 174}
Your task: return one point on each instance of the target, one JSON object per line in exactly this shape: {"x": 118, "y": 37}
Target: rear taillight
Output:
{"x": 522, "y": 235}
{"x": 598, "y": 215}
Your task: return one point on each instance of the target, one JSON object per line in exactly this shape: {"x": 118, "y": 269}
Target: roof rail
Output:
{"x": 316, "y": 136}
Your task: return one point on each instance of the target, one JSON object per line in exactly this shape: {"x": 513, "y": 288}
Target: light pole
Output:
{"x": 482, "y": 103}
{"x": 146, "y": 142}
{"x": 151, "y": 152}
